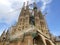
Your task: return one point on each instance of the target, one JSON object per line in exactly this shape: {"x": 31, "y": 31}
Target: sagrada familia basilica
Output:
{"x": 31, "y": 29}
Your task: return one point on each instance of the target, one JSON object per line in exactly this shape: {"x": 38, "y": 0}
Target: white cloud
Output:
{"x": 45, "y": 3}
{"x": 5, "y": 2}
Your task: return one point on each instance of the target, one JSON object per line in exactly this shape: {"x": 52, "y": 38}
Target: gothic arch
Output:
{"x": 48, "y": 42}
{"x": 38, "y": 40}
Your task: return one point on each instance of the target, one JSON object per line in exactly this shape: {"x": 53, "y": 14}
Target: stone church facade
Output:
{"x": 31, "y": 29}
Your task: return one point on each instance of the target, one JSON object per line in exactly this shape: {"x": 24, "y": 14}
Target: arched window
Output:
{"x": 38, "y": 40}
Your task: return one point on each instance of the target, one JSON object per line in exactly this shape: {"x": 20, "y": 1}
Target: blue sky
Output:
{"x": 8, "y": 17}
{"x": 53, "y": 17}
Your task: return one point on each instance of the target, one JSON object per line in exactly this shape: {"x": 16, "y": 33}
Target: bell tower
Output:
{"x": 36, "y": 16}
{"x": 23, "y": 20}
{"x": 40, "y": 22}
{"x": 44, "y": 27}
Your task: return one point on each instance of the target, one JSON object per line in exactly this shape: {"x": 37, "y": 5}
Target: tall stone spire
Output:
{"x": 27, "y": 8}
{"x": 22, "y": 14}
{"x": 43, "y": 24}
{"x": 23, "y": 20}
{"x": 40, "y": 20}
{"x": 22, "y": 11}
{"x": 7, "y": 35}
{"x": 36, "y": 16}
